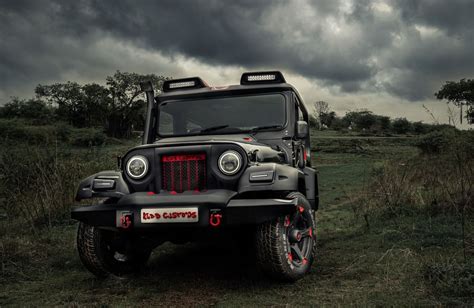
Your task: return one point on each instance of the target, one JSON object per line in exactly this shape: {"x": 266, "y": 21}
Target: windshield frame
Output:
{"x": 285, "y": 96}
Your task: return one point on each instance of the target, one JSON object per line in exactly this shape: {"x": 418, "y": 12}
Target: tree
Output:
{"x": 313, "y": 122}
{"x": 96, "y": 102}
{"x": 321, "y": 108}
{"x": 360, "y": 120}
{"x": 119, "y": 106}
{"x": 127, "y": 105}
{"x": 460, "y": 94}
{"x": 384, "y": 122}
{"x": 67, "y": 98}
{"x": 401, "y": 126}
{"x": 328, "y": 118}
{"x": 420, "y": 127}
{"x": 338, "y": 124}
{"x": 33, "y": 109}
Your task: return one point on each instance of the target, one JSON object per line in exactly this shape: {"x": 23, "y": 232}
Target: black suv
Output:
{"x": 213, "y": 159}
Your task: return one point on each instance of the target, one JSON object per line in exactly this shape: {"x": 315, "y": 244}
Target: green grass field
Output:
{"x": 382, "y": 262}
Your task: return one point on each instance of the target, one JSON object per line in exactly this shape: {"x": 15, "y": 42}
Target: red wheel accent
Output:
{"x": 290, "y": 257}
{"x": 301, "y": 209}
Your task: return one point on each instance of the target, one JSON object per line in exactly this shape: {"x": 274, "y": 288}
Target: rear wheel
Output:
{"x": 104, "y": 253}
{"x": 286, "y": 246}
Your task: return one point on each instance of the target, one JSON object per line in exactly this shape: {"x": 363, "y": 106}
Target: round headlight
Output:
{"x": 230, "y": 162}
{"x": 137, "y": 167}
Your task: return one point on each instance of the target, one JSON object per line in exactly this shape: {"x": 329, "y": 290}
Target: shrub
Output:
{"x": 420, "y": 127}
{"x": 401, "y": 126}
{"x": 441, "y": 182}
{"x": 38, "y": 111}
{"x": 436, "y": 141}
{"x": 38, "y": 184}
{"x": 447, "y": 140}
{"x": 19, "y": 131}
{"x": 87, "y": 137}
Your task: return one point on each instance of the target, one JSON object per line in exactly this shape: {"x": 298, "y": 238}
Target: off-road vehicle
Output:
{"x": 212, "y": 159}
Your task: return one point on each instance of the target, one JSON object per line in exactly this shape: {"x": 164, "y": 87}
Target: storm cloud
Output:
{"x": 400, "y": 49}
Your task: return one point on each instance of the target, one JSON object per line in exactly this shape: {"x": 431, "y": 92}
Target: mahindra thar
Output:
{"x": 212, "y": 159}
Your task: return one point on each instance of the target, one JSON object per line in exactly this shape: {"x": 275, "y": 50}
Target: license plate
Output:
{"x": 170, "y": 215}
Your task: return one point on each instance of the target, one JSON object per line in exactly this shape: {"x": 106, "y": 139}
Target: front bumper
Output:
{"x": 231, "y": 210}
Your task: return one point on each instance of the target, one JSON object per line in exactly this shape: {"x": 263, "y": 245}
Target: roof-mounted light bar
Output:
{"x": 184, "y": 84}
{"x": 262, "y": 77}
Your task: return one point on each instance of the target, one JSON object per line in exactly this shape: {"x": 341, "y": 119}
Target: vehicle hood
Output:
{"x": 206, "y": 138}
{"x": 261, "y": 152}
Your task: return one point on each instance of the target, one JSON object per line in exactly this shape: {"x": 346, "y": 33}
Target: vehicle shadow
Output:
{"x": 213, "y": 260}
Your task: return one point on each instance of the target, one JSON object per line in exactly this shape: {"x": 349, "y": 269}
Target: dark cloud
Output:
{"x": 405, "y": 48}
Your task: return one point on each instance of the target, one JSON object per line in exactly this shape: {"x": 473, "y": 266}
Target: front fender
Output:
{"x": 105, "y": 184}
{"x": 270, "y": 177}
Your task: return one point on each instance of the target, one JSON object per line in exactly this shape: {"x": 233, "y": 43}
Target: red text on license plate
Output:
{"x": 170, "y": 215}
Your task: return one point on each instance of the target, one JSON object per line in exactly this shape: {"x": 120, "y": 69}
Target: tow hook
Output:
{"x": 126, "y": 220}
{"x": 215, "y": 218}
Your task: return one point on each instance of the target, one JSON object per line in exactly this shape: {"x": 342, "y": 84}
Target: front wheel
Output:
{"x": 286, "y": 246}
{"x": 104, "y": 253}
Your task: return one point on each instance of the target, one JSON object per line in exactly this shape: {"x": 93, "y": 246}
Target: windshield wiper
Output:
{"x": 260, "y": 128}
{"x": 212, "y": 128}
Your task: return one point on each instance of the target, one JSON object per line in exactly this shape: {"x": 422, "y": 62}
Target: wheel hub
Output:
{"x": 299, "y": 236}
{"x": 295, "y": 236}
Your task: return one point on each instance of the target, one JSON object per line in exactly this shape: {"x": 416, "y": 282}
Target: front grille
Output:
{"x": 183, "y": 172}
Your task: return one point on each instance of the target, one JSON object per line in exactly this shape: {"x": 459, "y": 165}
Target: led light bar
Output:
{"x": 183, "y": 84}
{"x": 262, "y": 77}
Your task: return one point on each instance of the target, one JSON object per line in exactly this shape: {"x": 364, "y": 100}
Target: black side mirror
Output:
{"x": 301, "y": 129}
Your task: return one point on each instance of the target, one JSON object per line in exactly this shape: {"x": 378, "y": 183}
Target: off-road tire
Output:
{"x": 274, "y": 255}
{"x": 93, "y": 246}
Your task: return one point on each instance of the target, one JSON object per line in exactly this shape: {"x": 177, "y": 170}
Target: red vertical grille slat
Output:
{"x": 183, "y": 172}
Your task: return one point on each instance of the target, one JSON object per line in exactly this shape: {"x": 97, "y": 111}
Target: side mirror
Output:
{"x": 301, "y": 129}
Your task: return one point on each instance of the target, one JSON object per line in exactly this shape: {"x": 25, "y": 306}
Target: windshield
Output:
{"x": 222, "y": 115}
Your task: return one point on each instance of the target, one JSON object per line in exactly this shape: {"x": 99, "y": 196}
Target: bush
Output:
{"x": 401, "y": 126}
{"x": 421, "y": 128}
{"x": 436, "y": 141}
{"x": 87, "y": 137}
{"x": 448, "y": 140}
{"x": 37, "y": 111}
{"x": 20, "y": 131}
{"x": 441, "y": 182}
{"x": 38, "y": 183}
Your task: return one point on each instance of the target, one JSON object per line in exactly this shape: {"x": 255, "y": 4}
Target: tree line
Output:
{"x": 363, "y": 121}
{"x": 118, "y": 107}
{"x": 460, "y": 94}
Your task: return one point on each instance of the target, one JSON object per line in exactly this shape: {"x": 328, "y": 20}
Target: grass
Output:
{"x": 395, "y": 262}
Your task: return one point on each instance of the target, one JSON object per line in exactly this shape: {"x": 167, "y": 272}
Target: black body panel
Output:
{"x": 89, "y": 189}
{"x": 233, "y": 211}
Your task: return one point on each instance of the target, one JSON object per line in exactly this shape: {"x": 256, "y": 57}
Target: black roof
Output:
{"x": 203, "y": 90}
{"x": 232, "y": 89}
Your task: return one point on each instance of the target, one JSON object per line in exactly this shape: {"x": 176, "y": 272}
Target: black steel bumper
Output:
{"x": 214, "y": 208}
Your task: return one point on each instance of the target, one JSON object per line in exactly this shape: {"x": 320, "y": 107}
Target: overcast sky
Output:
{"x": 385, "y": 56}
